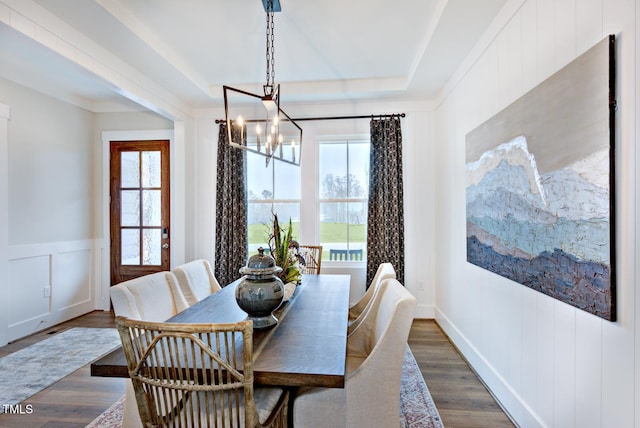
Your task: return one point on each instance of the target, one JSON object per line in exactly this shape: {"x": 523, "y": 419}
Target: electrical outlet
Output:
{"x": 420, "y": 285}
{"x": 47, "y": 291}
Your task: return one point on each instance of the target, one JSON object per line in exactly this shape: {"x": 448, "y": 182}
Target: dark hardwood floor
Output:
{"x": 462, "y": 400}
{"x": 77, "y": 399}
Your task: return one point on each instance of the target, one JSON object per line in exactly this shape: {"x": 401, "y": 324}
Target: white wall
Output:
{"x": 548, "y": 363}
{"x": 50, "y": 179}
{"x": 49, "y": 204}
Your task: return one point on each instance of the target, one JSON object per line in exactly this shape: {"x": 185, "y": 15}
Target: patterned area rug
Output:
{"x": 417, "y": 409}
{"x": 26, "y": 372}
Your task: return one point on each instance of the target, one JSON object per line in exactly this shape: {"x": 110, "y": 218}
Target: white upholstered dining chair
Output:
{"x": 375, "y": 351}
{"x": 196, "y": 280}
{"x": 154, "y": 297}
{"x": 359, "y": 309}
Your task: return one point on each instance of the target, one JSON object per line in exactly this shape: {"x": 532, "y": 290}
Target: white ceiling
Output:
{"x": 333, "y": 50}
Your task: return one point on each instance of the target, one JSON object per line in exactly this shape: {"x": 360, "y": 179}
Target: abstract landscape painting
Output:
{"x": 539, "y": 186}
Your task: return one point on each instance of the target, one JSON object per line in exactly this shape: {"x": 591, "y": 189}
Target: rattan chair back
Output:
{"x": 194, "y": 375}
{"x": 312, "y": 256}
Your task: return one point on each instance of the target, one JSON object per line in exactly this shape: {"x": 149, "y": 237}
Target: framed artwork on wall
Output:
{"x": 540, "y": 186}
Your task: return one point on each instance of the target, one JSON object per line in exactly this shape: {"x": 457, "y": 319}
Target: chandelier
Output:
{"x": 256, "y": 123}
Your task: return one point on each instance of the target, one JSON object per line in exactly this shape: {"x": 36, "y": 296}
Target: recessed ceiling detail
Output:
{"x": 334, "y": 51}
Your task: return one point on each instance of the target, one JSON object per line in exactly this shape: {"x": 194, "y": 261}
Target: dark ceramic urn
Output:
{"x": 260, "y": 292}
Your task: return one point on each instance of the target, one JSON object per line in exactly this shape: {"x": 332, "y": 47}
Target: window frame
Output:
{"x": 310, "y": 200}
{"x": 338, "y": 139}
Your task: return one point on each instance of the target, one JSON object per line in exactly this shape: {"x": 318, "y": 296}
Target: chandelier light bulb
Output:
{"x": 258, "y": 131}
{"x": 241, "y": 125}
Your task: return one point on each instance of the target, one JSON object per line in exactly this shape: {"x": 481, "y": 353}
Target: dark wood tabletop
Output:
{"x": 306, "y": 348}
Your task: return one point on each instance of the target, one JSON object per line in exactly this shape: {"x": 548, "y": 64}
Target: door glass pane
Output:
{"x": 130, "y": 169}
{"x": 151, "y": 247}
{"x": 130, "y": 250}
{"x": 130, "y": 208}
{"x": 151, "y": 208}
{"x": 150, "y": 169}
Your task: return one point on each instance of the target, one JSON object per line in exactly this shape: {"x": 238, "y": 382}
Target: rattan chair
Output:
{"x": 198, "y": 375}
{"x": 312, "y": 256}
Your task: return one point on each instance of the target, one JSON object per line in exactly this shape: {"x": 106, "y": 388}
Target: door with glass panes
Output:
{"x": 139, "y": 208}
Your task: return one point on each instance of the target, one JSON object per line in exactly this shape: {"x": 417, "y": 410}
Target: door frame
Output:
{"x": 176, "y": 201}
{"x": 123, "y": 271}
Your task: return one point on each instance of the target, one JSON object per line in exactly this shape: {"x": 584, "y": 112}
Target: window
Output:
{"x": 274, "y": 188}
{"x": 343, "y": 189}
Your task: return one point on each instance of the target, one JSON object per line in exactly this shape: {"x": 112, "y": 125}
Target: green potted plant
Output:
{"x": 282, "y": 248}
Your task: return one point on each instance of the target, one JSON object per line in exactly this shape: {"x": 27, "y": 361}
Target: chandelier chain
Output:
{"x": 270, "y": 51}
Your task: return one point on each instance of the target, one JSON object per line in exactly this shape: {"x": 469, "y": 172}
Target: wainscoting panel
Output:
{"x": 28, "y": 279}
{"x": 72, "y": 275}
{"x": 49, "y": 283}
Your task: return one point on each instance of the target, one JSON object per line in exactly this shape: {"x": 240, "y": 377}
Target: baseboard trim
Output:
{"x": 520, "y": 413}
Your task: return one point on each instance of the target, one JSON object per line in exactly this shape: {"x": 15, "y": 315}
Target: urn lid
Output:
{"x": 260, "y": 265}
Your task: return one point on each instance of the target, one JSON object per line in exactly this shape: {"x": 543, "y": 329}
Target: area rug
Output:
{"x": 417, "y": 409}
{"x": 29, "y": 370}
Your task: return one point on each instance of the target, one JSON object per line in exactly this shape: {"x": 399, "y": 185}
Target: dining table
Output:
{"x": 307, "y": 347}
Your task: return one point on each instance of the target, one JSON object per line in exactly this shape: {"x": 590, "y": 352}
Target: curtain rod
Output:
{"x": 365, "y": 116}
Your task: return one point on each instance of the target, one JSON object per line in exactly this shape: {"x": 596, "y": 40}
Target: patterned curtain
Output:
{"x": 231, "y": 210}
{"x": 385, "y": 222}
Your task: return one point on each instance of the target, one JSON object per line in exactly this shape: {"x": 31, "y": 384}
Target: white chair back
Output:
{"x": 359, "y": 310}
{"x": 375, "y": 351}
{"x": 153, "y": 297}
{"x": 196, "y": 280}
{"x": 384, "y": 271}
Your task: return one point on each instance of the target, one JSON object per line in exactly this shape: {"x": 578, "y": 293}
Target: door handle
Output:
{"x": 165, "y": 246}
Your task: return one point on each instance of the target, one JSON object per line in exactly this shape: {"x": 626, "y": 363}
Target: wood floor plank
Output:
{"x": 462, "y": 400}
{"x": 74, "y": 401}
